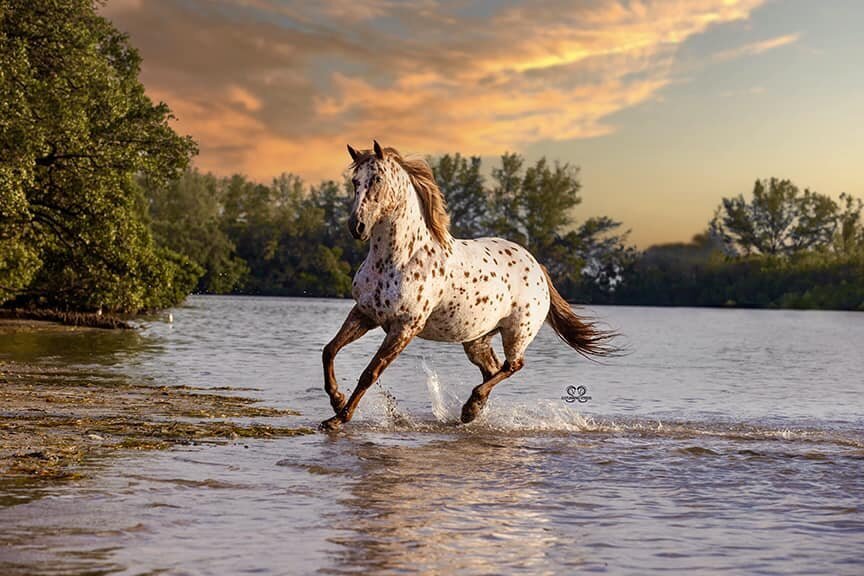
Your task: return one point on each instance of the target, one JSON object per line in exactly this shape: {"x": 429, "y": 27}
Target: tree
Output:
{"x": 606, "y": 256}
{"x": 250, "y": 219}
{"x": 850, "y": 230}
{"x": 505, "y": 197}
{"x": 187, "y": 218}
{"x": 545, "y": 200}
{"x": 293, "y": 239}
{"x": 75, "y": 130}
{"x": 334, "y": 204}
{"x": 780, "y": 220}
{"x": 461, "y": 182}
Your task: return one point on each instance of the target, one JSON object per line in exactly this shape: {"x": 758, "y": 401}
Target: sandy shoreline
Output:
{"x": 53, "y": 419}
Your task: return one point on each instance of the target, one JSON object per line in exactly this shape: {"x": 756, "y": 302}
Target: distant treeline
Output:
{"x": 99, "y": 210}
{"x": 780, "y": 248}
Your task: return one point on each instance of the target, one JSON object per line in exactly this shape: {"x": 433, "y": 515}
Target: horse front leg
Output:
{"x": 356, "y": 325}
{"x": 395, "y": 341}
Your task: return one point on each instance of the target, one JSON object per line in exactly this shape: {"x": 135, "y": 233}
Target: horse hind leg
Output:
{"x": 481, "y": 354}
{"x": 514, "y": 350}
{"x": 480, "y": 394}
{"x": 515, "y": 343}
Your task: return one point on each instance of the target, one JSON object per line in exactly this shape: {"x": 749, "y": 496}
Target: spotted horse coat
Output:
{"x": 418, "y": 281}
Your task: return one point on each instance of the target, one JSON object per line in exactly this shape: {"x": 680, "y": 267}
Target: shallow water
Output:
{"x": 726, "y": 440}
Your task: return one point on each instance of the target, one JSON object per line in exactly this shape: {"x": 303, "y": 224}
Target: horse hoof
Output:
{"x": 331, "y": 424}
{"x": 471, "y": 410}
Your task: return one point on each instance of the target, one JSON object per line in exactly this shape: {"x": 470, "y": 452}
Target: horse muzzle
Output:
{"x": 357, "y": 228}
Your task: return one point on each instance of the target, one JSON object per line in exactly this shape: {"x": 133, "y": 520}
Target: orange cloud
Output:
{"x": 239, "y": 95}
{"x": 269, "y": 86}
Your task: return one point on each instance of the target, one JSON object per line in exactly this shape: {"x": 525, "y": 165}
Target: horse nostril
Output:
{"x": 360, "y": 227}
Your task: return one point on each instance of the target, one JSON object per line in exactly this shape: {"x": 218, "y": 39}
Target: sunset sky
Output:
{"x": 666, "y": 106}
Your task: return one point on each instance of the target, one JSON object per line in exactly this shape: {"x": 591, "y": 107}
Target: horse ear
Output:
{"x": 379, "y": 154}
{"x": 354, "y": 154}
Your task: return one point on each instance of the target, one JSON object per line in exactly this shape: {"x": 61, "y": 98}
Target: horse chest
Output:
{"x": 387, "y": 293}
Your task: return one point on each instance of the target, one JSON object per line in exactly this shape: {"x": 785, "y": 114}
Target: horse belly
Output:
{"x": 460, "y": 321}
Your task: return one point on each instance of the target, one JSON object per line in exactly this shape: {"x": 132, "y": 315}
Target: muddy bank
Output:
{"x": 52, "y": 419}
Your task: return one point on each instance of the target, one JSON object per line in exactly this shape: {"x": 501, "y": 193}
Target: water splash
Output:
{"x": 499, "y": 415}
{"x": 381, "y": 409}
{"x": 446, "y": 404}
{"x": 395, "y": 415}
{"x": 549, "y": 417}
{"x": 543, "y": 416}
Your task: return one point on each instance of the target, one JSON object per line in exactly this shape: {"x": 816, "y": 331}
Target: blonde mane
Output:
{"x": 431, "y": 198}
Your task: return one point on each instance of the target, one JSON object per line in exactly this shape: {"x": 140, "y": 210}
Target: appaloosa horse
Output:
{"x": 419, "y": 281}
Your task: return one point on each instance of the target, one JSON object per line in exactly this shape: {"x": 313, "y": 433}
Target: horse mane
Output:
{"x": 432, "y": 201}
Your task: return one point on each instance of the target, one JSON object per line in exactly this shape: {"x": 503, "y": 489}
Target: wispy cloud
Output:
{"x": 268, "y": 86}
{"x": 752, "y": 91}
{"x": 756, "y": 47}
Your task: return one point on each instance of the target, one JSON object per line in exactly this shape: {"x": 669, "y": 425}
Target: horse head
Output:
{"x": 375, "y": 196}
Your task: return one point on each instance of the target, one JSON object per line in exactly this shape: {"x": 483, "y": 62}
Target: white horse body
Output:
{"x": 418, "y": 281}
{"x": 455, "y": 292}
{"x": 487, "y": 284}
{"x": 492, "y": 284}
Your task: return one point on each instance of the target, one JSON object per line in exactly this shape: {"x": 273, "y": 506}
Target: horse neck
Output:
{"x": 400, "y": 234}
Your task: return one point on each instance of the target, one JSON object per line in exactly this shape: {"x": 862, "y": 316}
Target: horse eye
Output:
{"x": 377, "y": 178}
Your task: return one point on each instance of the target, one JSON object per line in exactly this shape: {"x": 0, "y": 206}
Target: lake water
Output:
{"x": 725, "y": 440}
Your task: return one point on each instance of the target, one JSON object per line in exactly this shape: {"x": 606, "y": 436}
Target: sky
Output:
{"x": 666, "y": 106}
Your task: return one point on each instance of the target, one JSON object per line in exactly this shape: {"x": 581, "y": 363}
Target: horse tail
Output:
{"x": 584, "y": 337}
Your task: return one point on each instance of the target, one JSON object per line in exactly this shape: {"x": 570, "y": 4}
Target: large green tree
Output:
{"x": 779, "y": 220}
{"x": 76, "y": 129}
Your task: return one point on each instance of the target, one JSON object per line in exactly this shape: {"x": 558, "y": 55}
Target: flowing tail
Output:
{"x": 582, "y": 336}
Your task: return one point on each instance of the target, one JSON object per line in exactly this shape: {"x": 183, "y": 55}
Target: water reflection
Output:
{"x": 692, "y": 454}
{"x": 451, "y": 505}
{"x": 65, "y": 345}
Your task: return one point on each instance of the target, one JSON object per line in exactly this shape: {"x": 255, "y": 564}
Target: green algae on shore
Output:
{"x": 54, "y": 419}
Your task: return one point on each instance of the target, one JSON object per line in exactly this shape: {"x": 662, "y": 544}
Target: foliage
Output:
{"x": 849, "y": 237}
{"x": 782, "y": 249}
{"x": 281, "y": 239}
{"x": 504, "y": 198}
{"x": 293, "y": 240}
{"x": 780, "y": 219}
{"x": 75, "y": 130}
{"x": 808, "y": 280}
{"x": 187, "y": 218}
